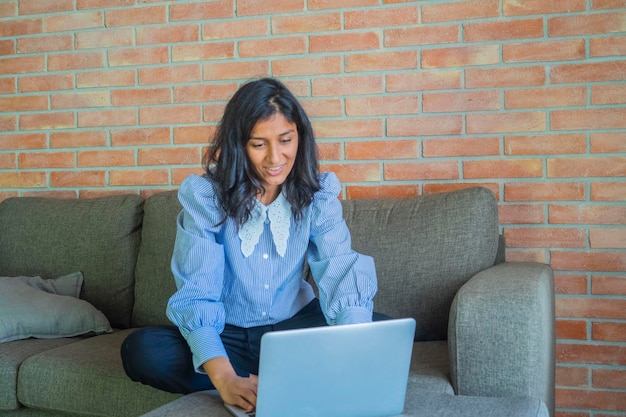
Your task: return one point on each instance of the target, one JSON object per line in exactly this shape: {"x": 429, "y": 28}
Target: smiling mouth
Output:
{"x": 275, "y": 170}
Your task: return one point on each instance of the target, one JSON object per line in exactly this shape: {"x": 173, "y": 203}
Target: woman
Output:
{"x": 245, "y": 232}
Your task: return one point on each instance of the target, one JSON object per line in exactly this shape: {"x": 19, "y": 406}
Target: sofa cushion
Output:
{"x": 154, "y": 282}
{"x": 424, "y": 249}
{"x": 46, "y": 308}
{"x": 53, "y": 237}
{"x": 86, "y": 377}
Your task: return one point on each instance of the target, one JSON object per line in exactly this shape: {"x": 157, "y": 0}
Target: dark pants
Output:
{"x": 160, "y": 356}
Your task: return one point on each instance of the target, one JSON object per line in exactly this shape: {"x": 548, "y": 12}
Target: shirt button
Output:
{"x": 263, "y": 313}
{"x": 266, "y": 286}
{"x": 265, "y": 256}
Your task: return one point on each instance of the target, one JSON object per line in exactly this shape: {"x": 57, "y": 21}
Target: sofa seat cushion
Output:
{"x": 99, "y": 237}
{"x": 12, "y": 354}
{"x": 86, "y": 377}
{"x": 430, "y": 369}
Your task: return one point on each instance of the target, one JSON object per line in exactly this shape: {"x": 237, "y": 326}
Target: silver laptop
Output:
{"x": 357, "y": 370}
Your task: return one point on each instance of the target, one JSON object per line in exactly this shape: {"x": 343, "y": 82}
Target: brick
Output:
{"x": 7, "y": 47}
{"x": 42, "y": 160}
{"x": 607, "y": 46}
{"x": 608, "y": 94}
{"x": 382, "y": 149}
{"x": 20, "y": 27}
{"x": 323, "y": 108}
{"x": 608, "y": 285}
{"x": 531, "y": 7}
{"x": 167, "y": 34}
{"x": 505, "y": 77}
{"x": 45, "y": 6}
{"x": 608, "y": 191}
{"x": 29, "y": 84}
{"x": 274, "y": 46}
{"x": 116, "y": 117}
{"x": 424, "y": 125}
{"x": 8, "y": 161}
{"x": 608, "y": 142}
{"x": 461, "y": 101}
{"x": 109, "y": 38}
{"x": 258, "y": 7}
{"x": 106, "y": 158}
{"x": 8, "y": 9}
{"x": 140, "y": 137}
{"x": 545, "y": 237}
{"x": 575, "y": 143}
{"x": 109, "y": 78}
{"x": 139, "y": 177}
{"x": 354, "y": 192}
{"x": 503, "y": 30}
{"x": 571, "y": 284}
{"x": 591, "y": 399}
{"x": 381, "y": 17}
{"x": 586, "y": 167}
{"x": 141, "y": 96}
{"x": 544, "y": 51}
{"x": 572, "y": 376}
{"x": 78, "y": 139}
{"x": 201, "y": 11}
{"x": 8, "y": 123}
{"x": 461, "y": 56}
{"x": 75, "y": 61}
{"x": 139, "y": 56}
{"x": 23, "y": 141}
{"x": 22, "y": 65}
{"x": 460, "y": 10}
{"x": 100, "y": 4}
{"x": 359, "y": 172}
{"x": 347, "y": 85}
{"x": 80, "y": 178}
{"x": 68, "y": 22}
{"x": 203, "y": 93}
{"x": 466, "y": 146}
{"x": 544, "y": 191}
{"x": 319, "y": 65}
{"x": 233, "y": 29}
{"x": 329, "y": 151}
{"x": 589, "y": 261}
{"x": 339, "y": 4}
{"x": 132, "y": 16}
{"x": 310, "y": 22}
{"x": 421, "y": 35}
{"x": 7, "y": 86}
{"x": 414, "y": 171}
{"x": 80, "y": 100}
{"x": 21, "y": 179}
{"x": 235, "y": 70}
{"x": 170, "y": 115}
{"x": 608, "y": 4}
{"x": 517, "y": 168}
{"x": 587, "y": 24}
{"x": 45, "y": 121}
{"x": 607, "y": 238}
{"x": 432, "y": 188}
{"x": 171, "y": 74}
{"x": 52, "y": 43}
{"x": 609, "y": 332}
{"x": 380, "y": 61}
{"x": 609, "y": 118}
{"x": 571, "y": 329}
{"x": 381, "y": 105}
{"x": 424, "y": 80}
{"x": 23, "y": 103}
{"x": 169, "y": 156}
{"x": 590, "y": 214}
{"x": 341, "y": 42}
{"x": 354, "y": 128}
{"x": 212, "y": 113}
{"x": 545, "y": 97}
{"x": 179, "y": 174}
{"x": 506, "y": 122}
{"x": 588, "y": 72}
{"x": 202, "y": 52}
{"x": 526, "y": 255}
{"x": 590, "y": 307}
{"x": 521, "y": 214}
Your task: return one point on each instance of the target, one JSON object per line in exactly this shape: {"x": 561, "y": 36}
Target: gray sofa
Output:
{"x": 485, "y": 326}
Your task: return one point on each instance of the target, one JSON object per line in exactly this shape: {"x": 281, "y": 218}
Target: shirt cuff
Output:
{"x": 205, "y": 344}
{"x": 354, "y": 315}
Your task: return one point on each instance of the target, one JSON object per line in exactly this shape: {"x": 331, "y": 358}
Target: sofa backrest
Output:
{"x": 53, "y": 237}
{"x": 424, "y": 249}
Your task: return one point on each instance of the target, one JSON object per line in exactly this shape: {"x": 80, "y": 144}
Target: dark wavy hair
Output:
{"x": 227, "y": 163}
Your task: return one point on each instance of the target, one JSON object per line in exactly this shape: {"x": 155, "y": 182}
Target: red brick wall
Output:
{"x": 526, "y": 97}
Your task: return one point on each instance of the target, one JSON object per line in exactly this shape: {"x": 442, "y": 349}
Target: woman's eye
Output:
{"x": 287, "y": 140}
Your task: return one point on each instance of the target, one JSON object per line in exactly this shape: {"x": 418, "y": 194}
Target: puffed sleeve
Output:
{"x": 346, "y": 279}
{"x": 198, "y": 268}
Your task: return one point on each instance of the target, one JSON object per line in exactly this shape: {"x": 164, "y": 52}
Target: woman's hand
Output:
{"x": 235, "y": 390}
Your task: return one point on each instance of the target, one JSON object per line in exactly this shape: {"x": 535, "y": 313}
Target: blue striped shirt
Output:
{"x": 217, "y": 284}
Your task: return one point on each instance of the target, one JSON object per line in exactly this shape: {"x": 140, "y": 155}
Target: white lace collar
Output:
{"x": 279, "y": 215}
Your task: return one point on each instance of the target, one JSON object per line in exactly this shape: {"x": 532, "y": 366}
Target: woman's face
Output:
{"x": 272, "y": 149}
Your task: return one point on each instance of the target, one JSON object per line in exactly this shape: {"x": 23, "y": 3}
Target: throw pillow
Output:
{"x": 47, "y": 308}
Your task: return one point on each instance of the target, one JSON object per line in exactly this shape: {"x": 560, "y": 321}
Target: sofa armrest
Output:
{"x": 501, "y": 333}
